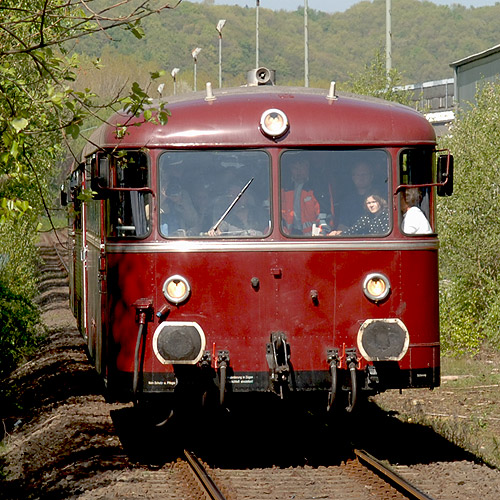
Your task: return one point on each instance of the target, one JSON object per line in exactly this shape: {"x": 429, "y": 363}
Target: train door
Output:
{"x": 79, "y": 250}
{"x": 94, "y": 269}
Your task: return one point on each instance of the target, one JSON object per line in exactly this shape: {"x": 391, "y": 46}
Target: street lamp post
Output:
{"x": 174, "y": 76}
{"x": 195, "y": 53}
{"x": 219, "y": 27}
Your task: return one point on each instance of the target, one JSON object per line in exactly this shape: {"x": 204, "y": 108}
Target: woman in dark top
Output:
{"x": 375, "y": 221}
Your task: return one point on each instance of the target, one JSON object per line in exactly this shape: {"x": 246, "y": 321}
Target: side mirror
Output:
{"x": 445, "y": 175}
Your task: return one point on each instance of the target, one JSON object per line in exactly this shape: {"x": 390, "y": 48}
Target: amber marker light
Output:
{"x": 273, "y": 123}
{"x": 376, "y": 287}
{"x": 176, "y": 289}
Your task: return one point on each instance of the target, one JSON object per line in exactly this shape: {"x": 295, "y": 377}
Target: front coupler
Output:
{"x": 278, "y": 360}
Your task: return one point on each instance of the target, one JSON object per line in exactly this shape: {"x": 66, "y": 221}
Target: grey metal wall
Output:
{"x": 470, "y": 72}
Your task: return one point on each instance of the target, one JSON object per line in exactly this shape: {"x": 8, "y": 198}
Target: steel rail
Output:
{"x": 389, "y": 475}
{"x": 61, "y": 260}
{"x": 207, "y": 482}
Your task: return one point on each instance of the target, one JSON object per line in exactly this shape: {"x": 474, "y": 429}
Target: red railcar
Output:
{"x": 236, "y": 249}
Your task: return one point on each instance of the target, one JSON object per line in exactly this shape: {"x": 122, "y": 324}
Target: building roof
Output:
{"x": 475, "y": 57}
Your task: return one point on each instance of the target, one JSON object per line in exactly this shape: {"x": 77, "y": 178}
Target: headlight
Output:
{"x": 273, "y": 123}
{"x": 376, "y": 287}
{"x": 176, "y": 289}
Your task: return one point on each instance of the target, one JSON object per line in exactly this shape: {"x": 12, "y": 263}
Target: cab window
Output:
{"x": 334, "y": 193}
{"x": 214, "y": 194}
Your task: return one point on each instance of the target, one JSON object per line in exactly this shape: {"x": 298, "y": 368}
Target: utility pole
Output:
{"x": 388, "y": 37}
{"x": 306, "y": 47}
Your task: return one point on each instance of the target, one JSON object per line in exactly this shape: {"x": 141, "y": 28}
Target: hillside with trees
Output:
{"x": 426, "y": 39}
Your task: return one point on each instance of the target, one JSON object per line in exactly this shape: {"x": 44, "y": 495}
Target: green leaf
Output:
{"x": 74, "y": 130}
{"x": 157, "y": 74}
{"x": 136, "y": 29}
{"x": 19, "y": 124}
{"x": 163, "y": 117}
{"x": 14, "y": 149}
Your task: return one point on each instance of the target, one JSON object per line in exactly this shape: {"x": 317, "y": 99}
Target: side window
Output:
{"x": 130, "y": 170}
{"x": 415, "y": 169}
{"x": 93, "y": 206}
{"x": 75, "y": 188}
{"x": 128, "y": 209}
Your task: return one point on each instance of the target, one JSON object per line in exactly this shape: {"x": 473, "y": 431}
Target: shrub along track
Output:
{"x": 64, "y": 441}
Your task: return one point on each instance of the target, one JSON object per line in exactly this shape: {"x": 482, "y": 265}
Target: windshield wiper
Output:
{"x": 230, "y": 207}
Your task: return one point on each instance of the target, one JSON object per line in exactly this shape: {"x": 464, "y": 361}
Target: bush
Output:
{"x": 20, "y": 329}
{"x": 461, "y": 330}
{"x": 469, "y": 227}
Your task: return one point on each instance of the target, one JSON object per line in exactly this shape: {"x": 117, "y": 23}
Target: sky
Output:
{"x": 334, "y": 5}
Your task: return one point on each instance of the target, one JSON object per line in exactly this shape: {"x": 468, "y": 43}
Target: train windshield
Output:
{"x": 222, "y": 194}
{"x": 340, "y": 193}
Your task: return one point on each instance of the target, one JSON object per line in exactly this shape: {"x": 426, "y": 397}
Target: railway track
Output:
{"x": 390, "y": 477}
{"x": 366, "y": 476}
{"x": 207, "y": 483}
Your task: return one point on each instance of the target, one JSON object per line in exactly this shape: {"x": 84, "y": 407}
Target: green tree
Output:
{"x": 469, "y": 228}
{"x": 375, "y": 81}
{"x": 40, "y": 109}
{"x": 39, "y": 106}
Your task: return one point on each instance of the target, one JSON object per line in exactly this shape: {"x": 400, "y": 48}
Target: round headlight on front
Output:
{"x": 376, "y": 287}
{"x": 176, "y": 289}
{"x": 274, "y": 123}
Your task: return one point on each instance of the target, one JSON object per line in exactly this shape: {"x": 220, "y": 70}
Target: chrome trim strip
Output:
{"x": 184, "y": 246}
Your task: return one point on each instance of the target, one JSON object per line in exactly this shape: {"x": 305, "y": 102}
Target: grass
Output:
{"x": 465, "y": 409}
{"x": 59, "y": 221}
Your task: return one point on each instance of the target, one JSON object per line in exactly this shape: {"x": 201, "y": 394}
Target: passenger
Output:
{"x": 178, "y": 216}
{"x": 232, "y": 187}
{"x": 352, "y": 207}
{"x": 374, "y": 221}
{"x": 242, "y": 221}
{"x": 300, "y": 208}
{"x": 414, "y": 220}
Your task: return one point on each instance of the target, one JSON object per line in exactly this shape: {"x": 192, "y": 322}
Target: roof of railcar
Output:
{"x": 232, "y": 119}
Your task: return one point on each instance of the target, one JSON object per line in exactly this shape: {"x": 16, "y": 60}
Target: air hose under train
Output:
{"x": 143, "y": 309}
{"x": 353, "y": 394}
{"x": 135, "y": 381}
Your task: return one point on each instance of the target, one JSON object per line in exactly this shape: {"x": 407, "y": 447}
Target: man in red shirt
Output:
{"x": 300, "y": 208}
